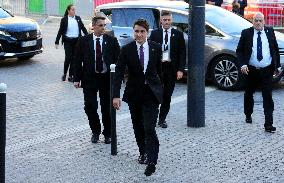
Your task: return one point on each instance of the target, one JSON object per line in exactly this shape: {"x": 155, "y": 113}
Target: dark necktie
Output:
{"x": 259, "y": 47}
{"x": 166, "y": 40}
{"x": 141, "y": 56}
{"x": 99, "y": 60}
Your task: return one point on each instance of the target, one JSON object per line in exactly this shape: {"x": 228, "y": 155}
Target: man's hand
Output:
{"x": 116, "y": 102}
{"x": 77, "y": 84}
{"x": 179, "y": 75}
{"x": 244, "y": 69}
{"x": 56, "y": 46}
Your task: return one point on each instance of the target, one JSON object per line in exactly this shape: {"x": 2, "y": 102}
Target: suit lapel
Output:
{"x": 151, "y": 55}
{"x": 160, "y": 34}
{"x": 267, "y": 32}
{"x": 250, "y": 37}
{"x": 135, "y": 55}
{"x": 172, "y": 38}
{"x": 91, "y": 46}
{"x": 104, "y": 45}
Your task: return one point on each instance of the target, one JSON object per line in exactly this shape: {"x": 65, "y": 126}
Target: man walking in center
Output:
{"x": 143, "y": 91}
{"x": 94, "y": 55}
{"x": 173, "y": 60}
{"x": 258, "y": 54}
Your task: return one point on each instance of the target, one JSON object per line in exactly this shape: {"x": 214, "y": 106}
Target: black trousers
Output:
{"x": 260, "y": 78}
{"x": 144, "y": 116}
{"x": 69, "y": 47}
{"x": 169, "y": 78}
{"x": 91, "y": 104}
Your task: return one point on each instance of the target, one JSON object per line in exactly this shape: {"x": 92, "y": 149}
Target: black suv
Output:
{"x": 19, "y": 37}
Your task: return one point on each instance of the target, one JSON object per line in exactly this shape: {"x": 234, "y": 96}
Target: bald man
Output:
{"x": 258, "y": 54}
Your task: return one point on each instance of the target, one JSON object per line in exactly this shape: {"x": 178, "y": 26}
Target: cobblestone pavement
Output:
{"x": 48, "y": 138}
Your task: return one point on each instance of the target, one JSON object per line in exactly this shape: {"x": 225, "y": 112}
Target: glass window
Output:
{"x": 180, "y": 22}
{"x": 127, "y": 17}
{"x": 4, "y": 14}
{"x": 210, "y": 31}
{"x": 226, "y": 21}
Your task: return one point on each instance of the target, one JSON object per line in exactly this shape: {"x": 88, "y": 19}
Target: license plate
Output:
{"x": 28, "y": 43}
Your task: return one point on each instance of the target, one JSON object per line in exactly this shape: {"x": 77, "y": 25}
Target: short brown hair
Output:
{"x": 96, "y": 18}
{"x": 166, "y": 13}
{"x": 142, "y": 22}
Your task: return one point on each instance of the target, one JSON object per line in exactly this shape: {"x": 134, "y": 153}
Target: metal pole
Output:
{"x": 196, "y": 73}
{"x": 112, "y": 114}
{"x": 3, "y": 88}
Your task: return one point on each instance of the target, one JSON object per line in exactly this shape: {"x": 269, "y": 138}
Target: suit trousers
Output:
{"x": 91, "y": 104}
{"x": 169, "y": 79}
{"x": 69, "y": 47}
{"x": 144, "y": 117}
{"x": 260, "y": 78}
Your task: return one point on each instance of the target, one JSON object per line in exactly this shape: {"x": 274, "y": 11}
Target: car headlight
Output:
{"x": 38, "y": 31}
{"x": 4, "y": 33}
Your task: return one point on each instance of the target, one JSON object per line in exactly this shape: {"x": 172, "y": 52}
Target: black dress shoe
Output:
{"x": 270, "y": 128}
{"x": 142, "y": 159}
{"x": 63, "y": 78}
{"x": 150, "y": 169}
{"x": 163, "y": 124}
{"x": 95, "y": 138}
{"x": 107, "y": 140}
{"x": 70, "y": 79}
{"x": 248, "y": 119}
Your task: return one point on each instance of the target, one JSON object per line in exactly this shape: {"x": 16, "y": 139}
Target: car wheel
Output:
{"x": 277, "y": 77}
{"x": 25, "y": 57}
{"x": 226, "y": 73}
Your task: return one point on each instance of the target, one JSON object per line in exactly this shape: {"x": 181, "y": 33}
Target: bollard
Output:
{"x": 3, "y": 88}
{"x": 112, "y": 114}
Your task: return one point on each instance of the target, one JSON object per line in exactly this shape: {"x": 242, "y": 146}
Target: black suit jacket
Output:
{"x": 244, "y": 49}
{"x": 63, "y": 28}
{"x": 136, "y": 78}
{"x": 84, "y": 66}
{"x": 177, "y": 49}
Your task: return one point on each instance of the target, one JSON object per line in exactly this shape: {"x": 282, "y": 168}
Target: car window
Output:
{"x": 211, "y": 31}
{"x": 4, "y": 14}
{"x": 126, "y": 17}
{"x": 180, "y": 22}
{"x": 226, "y": 21}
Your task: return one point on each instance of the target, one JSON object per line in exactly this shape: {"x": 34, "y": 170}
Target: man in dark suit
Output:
{"x": 215, "y": 2}
{"x": 173, "y": 60}
{"x": 258, "y": 54}
{"x": 70, "y": 30}
{"x": 94, "y": 55}
{"x": 143, "y": 91}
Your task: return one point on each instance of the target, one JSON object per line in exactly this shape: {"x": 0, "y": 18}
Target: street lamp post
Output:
{"x": 196, "y": 73}
{"x": 3, "y": 88}
{"x": 112, "y": 114}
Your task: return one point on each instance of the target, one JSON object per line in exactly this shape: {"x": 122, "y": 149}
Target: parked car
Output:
{"x": 19, "y": 37}
{"x": 223, "y": 30}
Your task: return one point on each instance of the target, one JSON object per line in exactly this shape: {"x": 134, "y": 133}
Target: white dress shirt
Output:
{"x": 101, "y": 43}
{"x": 166, "y": 54}
{"x": 267, "y": 59}
{"x": 73, "y": 28}
{"x": 146, "y": 53}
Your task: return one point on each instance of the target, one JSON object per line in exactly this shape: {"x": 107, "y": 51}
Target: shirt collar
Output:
{"x": 169, "y": 30}
{"x": 144, "y": 45}
{"x": 71, "y": 17}
{"x": 95, "y": 37}
{"x": 256, "y": 31}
